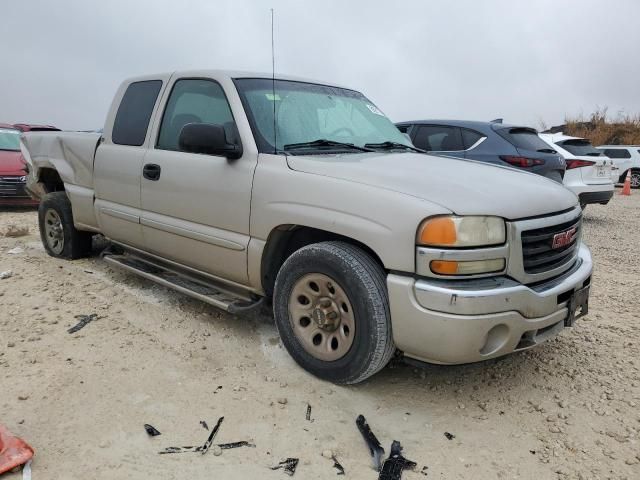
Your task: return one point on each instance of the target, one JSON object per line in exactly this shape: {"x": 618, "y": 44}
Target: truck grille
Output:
{"x": 12, "y": 187}
{"x": 538, "y": 252}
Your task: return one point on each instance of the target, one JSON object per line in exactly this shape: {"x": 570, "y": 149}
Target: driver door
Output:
{"x": 195, "y": 207}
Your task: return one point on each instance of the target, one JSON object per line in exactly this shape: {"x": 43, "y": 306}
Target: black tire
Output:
{"x": 75, "y": 243}
{"x": 364, "y": 282}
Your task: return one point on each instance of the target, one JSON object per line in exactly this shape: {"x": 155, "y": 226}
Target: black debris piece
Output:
{"x": 376, "y": 450}
{"x": 289, "y": 465}
{"x": 337, "y": 466}
{"x": 424, "y": 471}
{"x": 180, "y": 450}
{"x": 151, "y": 430}
{"x": 84, "y": 321}
{"x": 207, "y": 444}
{"x": 532, "y": 452}
{"x": 204, "y": 424}
{"x": 217, "y": 389}
{"x": 449, "y": 436}
{"x": 308, "y": 416}
{"x": 393, "y": 466}
{"x": 244, "y": 443}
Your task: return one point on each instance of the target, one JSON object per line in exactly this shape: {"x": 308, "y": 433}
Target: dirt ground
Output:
{"x": 568, "y": 409}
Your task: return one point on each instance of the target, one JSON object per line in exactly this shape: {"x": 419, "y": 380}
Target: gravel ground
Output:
{"x": 567, "y": 409}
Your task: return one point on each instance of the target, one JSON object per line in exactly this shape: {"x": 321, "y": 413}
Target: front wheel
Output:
{"x": 332, "y": 312}
{"x": 60, "y": 237}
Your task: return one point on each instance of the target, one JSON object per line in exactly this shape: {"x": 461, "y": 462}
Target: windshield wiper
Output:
{"x": 546, "y": 150}
{"x": 323, "y": 142}
{"x": 393, "y": 146}
{"x": 594, "y": 154}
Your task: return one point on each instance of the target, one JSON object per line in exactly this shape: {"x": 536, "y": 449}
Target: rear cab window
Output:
{"x": 525, "y": 139}
{"x": 134, "y": 113}
{"x": 580, "y": 147}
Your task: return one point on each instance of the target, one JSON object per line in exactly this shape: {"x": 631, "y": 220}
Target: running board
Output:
{"x": 232, "y": 301}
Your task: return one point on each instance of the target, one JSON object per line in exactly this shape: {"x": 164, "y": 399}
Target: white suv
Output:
{"x": 624, "y": 157}
{"x": 588, "y": 173}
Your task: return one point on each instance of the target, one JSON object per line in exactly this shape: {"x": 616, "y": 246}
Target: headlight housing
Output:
{"x": 458, "y": 232}
{"x": 450, "y": 246}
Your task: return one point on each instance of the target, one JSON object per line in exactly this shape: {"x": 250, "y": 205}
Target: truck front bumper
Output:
{"x": 453, "y": 322}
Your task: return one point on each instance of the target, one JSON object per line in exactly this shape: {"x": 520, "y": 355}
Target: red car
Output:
{"x": 12, "y": 168}
{"x": 26, "y": 127}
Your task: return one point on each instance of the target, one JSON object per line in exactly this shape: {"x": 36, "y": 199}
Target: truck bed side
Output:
{"x": 63, "y": 160}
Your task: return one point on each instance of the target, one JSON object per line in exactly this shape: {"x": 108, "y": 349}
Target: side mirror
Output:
{"x": 211, "y": 139}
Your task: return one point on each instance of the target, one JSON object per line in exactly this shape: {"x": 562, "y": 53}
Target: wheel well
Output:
{"x": 50, "y": 180}
{"x": 286, "y": 239}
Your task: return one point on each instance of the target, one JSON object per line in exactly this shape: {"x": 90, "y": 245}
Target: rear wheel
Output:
{"x": 332, "y": 312}
{"x": 635, "y": 178}
{"x": 59, "y": 236}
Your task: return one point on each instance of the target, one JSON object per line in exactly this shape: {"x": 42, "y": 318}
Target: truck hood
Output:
{"x": 11, "y": 163}
{"x": 465, "y": 187}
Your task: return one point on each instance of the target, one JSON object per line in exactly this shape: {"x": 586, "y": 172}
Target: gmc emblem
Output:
{"x": 564, "y": 238}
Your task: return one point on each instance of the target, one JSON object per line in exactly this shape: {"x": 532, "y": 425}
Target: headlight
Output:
{"x": 471, "y": 231}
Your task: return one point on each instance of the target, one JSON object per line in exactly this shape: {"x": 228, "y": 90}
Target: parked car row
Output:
{"x": 13, "y": 169}
{"x": 568, "y": 160}
{"x": 626, "y": 158}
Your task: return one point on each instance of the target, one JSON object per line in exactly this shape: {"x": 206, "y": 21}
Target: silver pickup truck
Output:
{"x": 237, "y": 189}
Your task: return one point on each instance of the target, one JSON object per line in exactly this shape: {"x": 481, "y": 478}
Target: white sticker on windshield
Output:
{"x": 375, "y": 110}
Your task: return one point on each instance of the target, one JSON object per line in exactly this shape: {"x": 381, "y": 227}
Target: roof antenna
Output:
{"x": 273, "y": 89}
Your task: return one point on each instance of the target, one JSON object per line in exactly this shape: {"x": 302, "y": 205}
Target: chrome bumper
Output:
{"x": 453, "y": 322}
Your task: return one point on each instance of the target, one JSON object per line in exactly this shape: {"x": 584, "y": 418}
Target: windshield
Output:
{"x": 9, "y": 140}
{"x": 307, "y": 112}
{"x": 580, "y": 147}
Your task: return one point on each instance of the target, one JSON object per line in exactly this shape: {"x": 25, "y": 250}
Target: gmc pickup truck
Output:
{"x": 237, "y": 188}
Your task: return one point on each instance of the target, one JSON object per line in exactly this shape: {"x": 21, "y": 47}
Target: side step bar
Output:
{"x": 204, "y": 290}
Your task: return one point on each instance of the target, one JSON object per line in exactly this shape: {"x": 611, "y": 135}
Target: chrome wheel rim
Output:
{"x": 321, "y": 317}
{"x": 635, "y": 180}
{"x": 53, "y": 231}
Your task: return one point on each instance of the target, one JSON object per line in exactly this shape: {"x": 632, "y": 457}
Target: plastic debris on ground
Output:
{"x": 337, "y": 466}
{"x": 289, "y": 466}
{"x": 151, "y": 430}
{"x": 393, "y": 466}
{"x": 84, "y": 321}
{"x": 376, "y": 450}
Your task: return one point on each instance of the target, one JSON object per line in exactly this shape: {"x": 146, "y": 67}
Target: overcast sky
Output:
{"x": 525, "y": 61}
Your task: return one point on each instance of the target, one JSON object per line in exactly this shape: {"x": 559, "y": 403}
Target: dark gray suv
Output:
{"x": 491, "y": 142}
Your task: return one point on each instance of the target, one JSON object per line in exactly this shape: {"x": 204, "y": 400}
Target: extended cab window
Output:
{"x": 192, "y": 101}
{"x": 134, "y": 113}
{"x": 438, "y": 138}
{"x": 617, "y": 153}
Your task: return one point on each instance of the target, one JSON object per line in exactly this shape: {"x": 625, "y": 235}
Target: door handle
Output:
{"x": 151, "y": 171}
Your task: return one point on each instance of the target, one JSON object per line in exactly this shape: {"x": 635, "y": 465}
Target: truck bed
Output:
{"x": 71, "y": 155}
